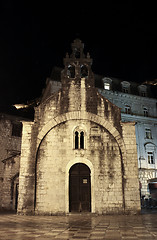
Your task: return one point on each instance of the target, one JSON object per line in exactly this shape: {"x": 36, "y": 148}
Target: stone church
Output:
{"x": 77, "y": 155}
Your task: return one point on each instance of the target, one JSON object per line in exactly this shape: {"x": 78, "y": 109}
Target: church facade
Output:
{"x": 77, "y": 155}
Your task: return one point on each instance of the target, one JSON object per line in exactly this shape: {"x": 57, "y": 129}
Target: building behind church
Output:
{"x": 90, "y": 147}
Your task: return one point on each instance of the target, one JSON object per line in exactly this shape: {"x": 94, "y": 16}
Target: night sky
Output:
{"x": 35, "y": 36}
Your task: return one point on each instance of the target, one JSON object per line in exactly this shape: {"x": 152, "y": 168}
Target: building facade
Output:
{"x": 10, "y": 148}
{"x": 77, "y": 155}
{"x": 138, "y": 104}
{"x": 92, "y": 145}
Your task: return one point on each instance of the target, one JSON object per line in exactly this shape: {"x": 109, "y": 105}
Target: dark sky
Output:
{"x": 35, "y": 36}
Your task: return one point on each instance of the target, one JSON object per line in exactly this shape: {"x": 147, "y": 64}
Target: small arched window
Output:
{"x": 150, "y": 157}
{"x": 150, "y": 152}
{"x": 79, "y": 140}
{"x": 145, "y": 112}
{"x": 107, "y": 83}
{"x": 125, "y": 87}
{"x": 84, "y": 71}
{"x": 107, "y": 86}
{"x": 76, "y": 140}
{"x": 148, "y": 133}
{"x": 82, "y": 140}
{"x": 127, "y": 109}
{"x": 142, "y": 90}
{"x": 77, "y": 53}
{"x": 71, "y": 71}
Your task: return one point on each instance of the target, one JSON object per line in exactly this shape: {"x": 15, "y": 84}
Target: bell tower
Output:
{"x": 77, "y": 65}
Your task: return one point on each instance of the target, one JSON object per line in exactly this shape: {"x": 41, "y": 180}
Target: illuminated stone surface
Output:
{"x": 117, "y": 227}
{"x": 49, "y": 150}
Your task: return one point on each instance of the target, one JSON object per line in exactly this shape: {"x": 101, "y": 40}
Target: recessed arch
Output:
{"x": 78, "y": 115}
{"x": 84, "y": 71}
{"x": 71, "y": 71}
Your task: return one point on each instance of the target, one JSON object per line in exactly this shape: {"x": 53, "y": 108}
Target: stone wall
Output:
{"x": 44, "y": 178}
{"x": 130, "y": 168}
{"x": 27, "y": 170}
{"x": 10, "y": 183}
{"x": 10, "y": 146}
{"x": 55, "y": 153}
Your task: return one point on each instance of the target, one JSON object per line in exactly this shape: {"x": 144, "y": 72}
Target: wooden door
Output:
{"x": 79, "y": 188}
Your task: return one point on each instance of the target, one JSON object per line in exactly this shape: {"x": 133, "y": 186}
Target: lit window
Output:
{"x": 145, "y": 112}
{"x": 150, "y": 157}
{"x": 79, "y": 140}
{"x": 127, "y": 109}
{"x": 107, "y": 86}
{"x": 107, "y": 82}
{"x": 148, "y": 133}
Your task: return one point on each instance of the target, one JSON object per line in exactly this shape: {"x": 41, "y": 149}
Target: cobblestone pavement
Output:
{"x": 79, "y": 226}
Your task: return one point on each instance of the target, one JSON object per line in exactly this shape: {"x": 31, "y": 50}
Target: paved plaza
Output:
{"x": 78, "y": 226}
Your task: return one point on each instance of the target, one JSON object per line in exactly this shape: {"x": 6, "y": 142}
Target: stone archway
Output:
{"x": 82, "y": 116}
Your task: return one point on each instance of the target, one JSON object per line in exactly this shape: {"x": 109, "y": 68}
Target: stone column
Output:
{"x": 27, "y": 170}
{"x": 131, "y": 179}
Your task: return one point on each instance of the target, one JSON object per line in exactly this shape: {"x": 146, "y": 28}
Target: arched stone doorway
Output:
{"x": 79, "y": 188}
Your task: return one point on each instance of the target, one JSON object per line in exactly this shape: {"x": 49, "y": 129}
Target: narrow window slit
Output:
{"x": 82, "y": 140}
{"x": 76, "y": 140}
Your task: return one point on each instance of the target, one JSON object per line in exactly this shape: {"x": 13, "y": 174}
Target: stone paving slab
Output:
{"x": 78, "y": 227}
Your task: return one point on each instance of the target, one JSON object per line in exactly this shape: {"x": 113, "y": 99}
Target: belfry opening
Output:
{"x": 79, "y": 188}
